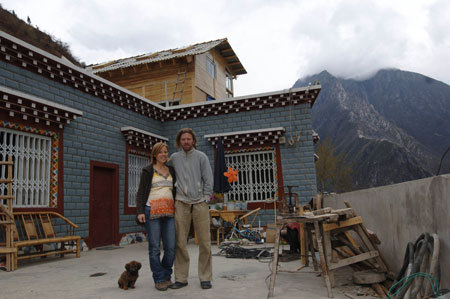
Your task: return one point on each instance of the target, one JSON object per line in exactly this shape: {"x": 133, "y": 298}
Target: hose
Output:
{"x": 420, "y": 272}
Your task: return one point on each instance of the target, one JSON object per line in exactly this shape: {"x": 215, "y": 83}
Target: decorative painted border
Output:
{"x": 17, "y": 52}
{"x": 139, "y": 152}
{"x": 54, "y": 155}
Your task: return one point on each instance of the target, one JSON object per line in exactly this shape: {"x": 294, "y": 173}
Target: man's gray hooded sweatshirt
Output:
{"x": 194, "y": 176}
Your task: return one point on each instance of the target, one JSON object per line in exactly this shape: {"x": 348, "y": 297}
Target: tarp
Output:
{"x": 221, "y": 184}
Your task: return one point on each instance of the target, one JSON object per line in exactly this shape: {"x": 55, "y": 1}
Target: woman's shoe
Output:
{"x": 162, "y": 286}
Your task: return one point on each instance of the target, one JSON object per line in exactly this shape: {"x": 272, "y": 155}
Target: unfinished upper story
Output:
{"x": 195, "y": 73}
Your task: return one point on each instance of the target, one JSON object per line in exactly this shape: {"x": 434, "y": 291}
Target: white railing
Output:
{"x": 257, "y": 176}
{"x": 32, "y": 160}
{"x": 135, "y": 165}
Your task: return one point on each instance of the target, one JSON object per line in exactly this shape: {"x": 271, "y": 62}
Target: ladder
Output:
{"x": 7, "y": 218}
{"x": 179, "y": 85}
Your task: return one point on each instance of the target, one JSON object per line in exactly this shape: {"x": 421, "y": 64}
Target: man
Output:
{"x": 194, "y": 187}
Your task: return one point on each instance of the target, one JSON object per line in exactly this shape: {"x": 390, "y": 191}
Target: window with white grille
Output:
{"x": 135, "y": 165}
{"x": 257, "y": 176}
{"x": 31, "y": 172}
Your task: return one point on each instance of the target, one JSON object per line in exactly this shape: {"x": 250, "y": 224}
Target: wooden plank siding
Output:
{"x": 154, "y": 81}
{"x": 204, "y": 83}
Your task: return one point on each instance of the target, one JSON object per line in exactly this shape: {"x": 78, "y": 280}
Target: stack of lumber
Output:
{"x": 341, "y": 239}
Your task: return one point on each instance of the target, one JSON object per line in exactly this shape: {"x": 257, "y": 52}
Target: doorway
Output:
{"x": 103, "y": 204}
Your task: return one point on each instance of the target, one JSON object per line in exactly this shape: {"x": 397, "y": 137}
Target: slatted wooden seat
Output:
{"x": 32, "y": 229}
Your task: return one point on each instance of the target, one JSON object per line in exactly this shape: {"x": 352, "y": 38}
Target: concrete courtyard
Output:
{"x": 69, "y": 277}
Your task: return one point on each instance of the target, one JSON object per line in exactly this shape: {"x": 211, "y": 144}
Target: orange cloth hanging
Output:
{"x": 231, "y": 174}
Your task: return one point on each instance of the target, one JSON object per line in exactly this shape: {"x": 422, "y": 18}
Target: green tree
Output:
{"x": 333, "y": 173}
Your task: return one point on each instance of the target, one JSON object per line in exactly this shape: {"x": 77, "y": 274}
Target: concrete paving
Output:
{"x": 69, "y": 277}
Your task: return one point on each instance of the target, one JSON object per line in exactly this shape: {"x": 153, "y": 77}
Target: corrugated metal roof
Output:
{"x": 235, "y": 65}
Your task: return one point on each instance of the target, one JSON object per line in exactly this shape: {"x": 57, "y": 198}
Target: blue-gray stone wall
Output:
{"x": 297, "y": 160}
{"x": 97, "y": 136}
{"x": 94, "y": 136}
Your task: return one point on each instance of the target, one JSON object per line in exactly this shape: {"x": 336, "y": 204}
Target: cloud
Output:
{"x": 277, "y": 41}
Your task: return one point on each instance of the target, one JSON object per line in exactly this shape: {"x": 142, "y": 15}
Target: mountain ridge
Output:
{"x": 395, "y": 114}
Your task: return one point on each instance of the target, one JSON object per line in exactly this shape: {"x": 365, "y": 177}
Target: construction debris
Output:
{"x": 341, "y": 240}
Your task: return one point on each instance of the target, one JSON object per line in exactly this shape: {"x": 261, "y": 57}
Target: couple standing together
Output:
{"x": 170, "y": 195}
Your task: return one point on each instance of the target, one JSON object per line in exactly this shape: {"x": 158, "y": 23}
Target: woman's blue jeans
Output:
{"x": 157, "y": 229}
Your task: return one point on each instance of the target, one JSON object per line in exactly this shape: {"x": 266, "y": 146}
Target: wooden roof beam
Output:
{"x": 227, "y": 50}
{"x": 231, "y": 56}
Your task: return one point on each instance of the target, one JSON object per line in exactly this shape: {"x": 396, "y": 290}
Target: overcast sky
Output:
{"x": 277, "y": 41}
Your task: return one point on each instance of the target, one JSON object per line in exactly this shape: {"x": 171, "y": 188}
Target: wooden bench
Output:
{"x": 34, "y": 229}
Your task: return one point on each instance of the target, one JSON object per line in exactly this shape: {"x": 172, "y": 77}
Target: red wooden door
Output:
{"x": 103, "y": 215}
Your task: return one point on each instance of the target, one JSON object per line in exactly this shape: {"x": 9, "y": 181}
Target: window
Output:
{"x": 257, "y": 176}
{"x": 135, "y": 165}
{"x": 229, "y": 84}
{"x": 210, "y": 67}
{"x": 31, "y": 172}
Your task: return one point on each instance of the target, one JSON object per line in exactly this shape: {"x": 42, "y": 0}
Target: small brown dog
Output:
{"x": 130, "y": 275}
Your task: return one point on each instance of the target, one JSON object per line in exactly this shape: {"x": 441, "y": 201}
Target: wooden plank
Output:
{"x": 354, "y": 259}
{"x": 351, "y": 240}
{"x": 317, "y": 202}
{"x": 328, "y": 254}
{"x": 47, "y": 226}
{"x": 23, "y": 257}
{"x": 46, "y": 241}
{"x": 275, "y": 261}
{"x": 323, "y": 211}
{"x": 381, "y": 260}
{"x": 377, "y": 287}
{"x": 322, "y": 258}
{"x": 312, "y": 250}
{"x": 4, "y": 250}
{"x": 347, "y": 212}
{"x": 341, "y": 224}
{"x": 30, "y": 228}
{"x": 307, "y": 219}
{"x": 303, "y": 251}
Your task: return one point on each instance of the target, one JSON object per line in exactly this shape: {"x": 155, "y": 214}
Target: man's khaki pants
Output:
{"x": 199, "y": 213}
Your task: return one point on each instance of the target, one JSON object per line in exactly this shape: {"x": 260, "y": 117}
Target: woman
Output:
{"x": 155, "y": 208}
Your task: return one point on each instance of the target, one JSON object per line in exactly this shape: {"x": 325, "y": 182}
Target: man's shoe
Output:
{"x": 206, "y": 284}
{"x": 161, "y": 286}
{"x": 178, "y": 285}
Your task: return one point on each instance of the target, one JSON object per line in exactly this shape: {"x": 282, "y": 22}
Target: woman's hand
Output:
{"x": 141, "y": 218}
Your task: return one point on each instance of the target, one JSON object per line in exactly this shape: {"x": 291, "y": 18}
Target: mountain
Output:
{"x": 393, "y": 127}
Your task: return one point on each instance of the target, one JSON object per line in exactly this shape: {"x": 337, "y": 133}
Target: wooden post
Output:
{"x": 303, "y": 250}
{"x": 328, "y": 254}
{"x": 322, "y": 258}
{"x": 275, "y": 261}
{"x": 311, "y": 249}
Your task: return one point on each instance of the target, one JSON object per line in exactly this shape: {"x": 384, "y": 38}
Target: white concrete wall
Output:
{"x": 399, "y": 213}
